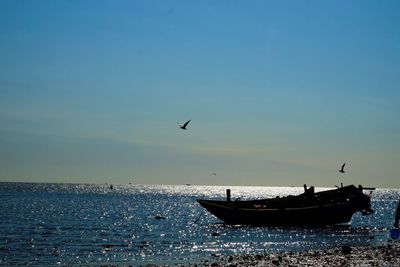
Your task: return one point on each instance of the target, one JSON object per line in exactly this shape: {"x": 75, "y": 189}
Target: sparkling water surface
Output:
{"x": 86, "y": 224}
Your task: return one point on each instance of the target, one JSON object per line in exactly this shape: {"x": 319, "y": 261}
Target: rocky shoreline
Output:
{"x": 388, "y": 255}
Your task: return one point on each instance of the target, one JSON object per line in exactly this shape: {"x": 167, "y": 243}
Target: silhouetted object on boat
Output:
{"x": 341, "y": 185}
{"x": 309, "y": 191}
{"x": 198, "y": 218}
{"x": 111, "y": 187}
{"x": 342, "y": 169}
{"x": 183, "y": 127}
{"x": 308, "y": 209}
{"x": 159, "y": 217}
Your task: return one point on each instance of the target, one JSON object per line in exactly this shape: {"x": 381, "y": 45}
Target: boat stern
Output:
{"x": 364, "y": 201}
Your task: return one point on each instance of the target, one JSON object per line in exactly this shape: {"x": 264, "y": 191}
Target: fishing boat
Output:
{"x": 330, "y": 207}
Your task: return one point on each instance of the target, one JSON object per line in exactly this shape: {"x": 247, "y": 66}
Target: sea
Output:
{"x": 45, "y": 224}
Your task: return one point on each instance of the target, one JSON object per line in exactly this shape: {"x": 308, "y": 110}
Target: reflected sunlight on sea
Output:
{"x": 65, "y": 224}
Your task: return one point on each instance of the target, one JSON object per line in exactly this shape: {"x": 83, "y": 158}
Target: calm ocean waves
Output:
{"x": 82, "y": 224}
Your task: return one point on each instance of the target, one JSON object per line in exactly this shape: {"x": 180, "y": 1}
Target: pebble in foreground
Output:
{"x": 357, "y": 256}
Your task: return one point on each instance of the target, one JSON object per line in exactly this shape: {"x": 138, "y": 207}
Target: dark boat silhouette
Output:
{"x": 322, "y": 208}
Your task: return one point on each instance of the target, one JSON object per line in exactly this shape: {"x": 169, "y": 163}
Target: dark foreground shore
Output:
{"x": 388, "y": 255}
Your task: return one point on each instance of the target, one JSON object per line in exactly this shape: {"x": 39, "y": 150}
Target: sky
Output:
{"x": 279, "y": 93}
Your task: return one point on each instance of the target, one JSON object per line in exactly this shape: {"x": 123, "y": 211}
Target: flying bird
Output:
{"x": 342, "y": 169}
{"x": 183, "y": 127}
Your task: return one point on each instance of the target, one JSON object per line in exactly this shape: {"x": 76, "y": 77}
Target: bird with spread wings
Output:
{"x": 183, "y": 127}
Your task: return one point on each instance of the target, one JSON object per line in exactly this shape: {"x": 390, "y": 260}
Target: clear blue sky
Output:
{"x": 279, "y": 92}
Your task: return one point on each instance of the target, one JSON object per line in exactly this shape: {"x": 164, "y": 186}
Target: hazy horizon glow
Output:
{"x": 279, "y": 93}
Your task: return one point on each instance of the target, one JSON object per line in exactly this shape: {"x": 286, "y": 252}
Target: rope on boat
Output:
{"x": 201, "y": 213}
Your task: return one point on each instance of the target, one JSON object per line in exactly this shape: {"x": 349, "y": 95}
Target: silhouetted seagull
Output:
{"x": 342, "y": 169}
{"x": 183, "y": 127}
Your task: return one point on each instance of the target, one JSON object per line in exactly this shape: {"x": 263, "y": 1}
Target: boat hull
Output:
{"x": 308, "y": 216}
{"x": 298, "y": 211}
